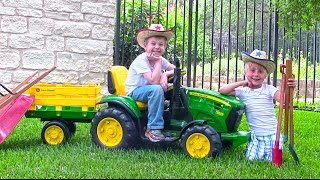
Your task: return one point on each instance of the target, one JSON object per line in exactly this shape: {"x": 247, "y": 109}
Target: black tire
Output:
{"x": 55, "y": 133}
{"x": 72, "y": 127}
{"x": 201, "y": 141}
{"x": 114, "y": 129}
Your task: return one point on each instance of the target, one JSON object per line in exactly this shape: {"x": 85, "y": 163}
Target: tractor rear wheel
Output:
{"x": 201, "y": 141}
{"x": 113, "y": 128}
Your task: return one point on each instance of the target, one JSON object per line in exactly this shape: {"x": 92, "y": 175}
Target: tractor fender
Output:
{"x": 192, "y": 123}
{"x": 127, "y": 103}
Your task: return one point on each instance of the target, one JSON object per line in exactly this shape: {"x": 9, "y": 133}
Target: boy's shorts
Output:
{"x": 260, "y": 147}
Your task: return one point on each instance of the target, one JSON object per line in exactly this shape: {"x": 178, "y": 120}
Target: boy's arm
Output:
{"x": 164, "y": 76}
{"x": 229, "y": 88}
{"x": 153, "y": 77}
{"x": 169, "y": 70}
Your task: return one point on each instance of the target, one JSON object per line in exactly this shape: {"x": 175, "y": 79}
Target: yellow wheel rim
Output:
{"x": 54, "y": 135}
{"x": 198, "y": 145}
{"x": 110, "y": 132}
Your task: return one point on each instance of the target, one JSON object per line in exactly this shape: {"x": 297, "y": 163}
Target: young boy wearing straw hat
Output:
{"x": 258, "y": 98}
{"x": 147, "y": 76}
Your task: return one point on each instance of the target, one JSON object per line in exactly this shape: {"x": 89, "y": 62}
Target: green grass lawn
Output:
{"x": 24, "y": 156}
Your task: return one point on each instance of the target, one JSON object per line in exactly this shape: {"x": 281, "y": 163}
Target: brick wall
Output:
{"x": 76, "y": 36}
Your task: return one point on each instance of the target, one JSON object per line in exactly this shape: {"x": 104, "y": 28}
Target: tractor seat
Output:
{"x": 116, "y": 83}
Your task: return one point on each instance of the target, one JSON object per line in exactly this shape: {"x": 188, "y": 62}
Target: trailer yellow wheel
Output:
{"x": 113, "y": 128}
{"x": 110, "y": 132}
{"x": 201, "y": 141}
{"x": 55, "y": 133}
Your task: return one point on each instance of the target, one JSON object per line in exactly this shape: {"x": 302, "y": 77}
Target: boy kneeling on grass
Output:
{"x": 258, "y": 98}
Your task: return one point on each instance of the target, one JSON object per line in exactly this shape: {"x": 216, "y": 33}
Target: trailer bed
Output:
{"x": 65, "y": 101}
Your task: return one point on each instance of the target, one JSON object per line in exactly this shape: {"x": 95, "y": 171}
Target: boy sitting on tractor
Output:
{"x": 148, "y": 74}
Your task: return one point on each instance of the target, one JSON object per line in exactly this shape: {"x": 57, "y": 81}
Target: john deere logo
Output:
{"x": 37, "y": 89}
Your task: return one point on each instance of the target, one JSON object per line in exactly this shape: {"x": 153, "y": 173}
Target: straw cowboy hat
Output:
{"x": 153, "y": 30}
{"x": 259, "y": 57}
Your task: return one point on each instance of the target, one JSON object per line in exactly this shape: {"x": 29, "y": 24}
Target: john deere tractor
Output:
{"x": 201, "y": 120}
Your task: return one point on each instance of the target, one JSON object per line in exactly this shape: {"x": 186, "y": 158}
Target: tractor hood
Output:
{"x": 216, "y": 96}
{"x": 223, "y": 112}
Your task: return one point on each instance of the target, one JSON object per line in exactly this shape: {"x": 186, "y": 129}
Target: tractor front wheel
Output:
{"x": 201, "y": 141}
{"x": 113, "y": 128}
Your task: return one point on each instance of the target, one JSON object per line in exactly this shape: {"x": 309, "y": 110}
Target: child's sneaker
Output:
{"x": 154, "y": 135}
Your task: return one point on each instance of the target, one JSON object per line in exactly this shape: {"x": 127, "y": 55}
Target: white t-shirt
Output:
{"x": 260, "y": 112}
{"x": 137, "y": 68}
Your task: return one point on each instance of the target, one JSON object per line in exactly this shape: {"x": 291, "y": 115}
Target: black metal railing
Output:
{"x": 210, "y": 36}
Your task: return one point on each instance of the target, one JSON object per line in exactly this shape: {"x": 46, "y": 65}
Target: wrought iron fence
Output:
{"x": 210, "y": 36}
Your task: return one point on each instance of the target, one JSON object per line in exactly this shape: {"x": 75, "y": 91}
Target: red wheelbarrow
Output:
{"x": 14, "y": 104}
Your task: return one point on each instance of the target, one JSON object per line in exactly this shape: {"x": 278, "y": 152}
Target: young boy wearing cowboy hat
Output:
{"x": 147, "y": 76}
{"x": 258, "y": 98}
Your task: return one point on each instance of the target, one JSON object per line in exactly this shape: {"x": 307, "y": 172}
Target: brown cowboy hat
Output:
{"x": 153, "y": 30}
{"x": 259, "y": 57}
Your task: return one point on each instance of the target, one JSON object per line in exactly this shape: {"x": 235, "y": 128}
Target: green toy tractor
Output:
{"x": 201, "y": 120}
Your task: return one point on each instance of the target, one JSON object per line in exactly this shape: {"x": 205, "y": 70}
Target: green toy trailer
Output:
{"x": 61, "y": 106}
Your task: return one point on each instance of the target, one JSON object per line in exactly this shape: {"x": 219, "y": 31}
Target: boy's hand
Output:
{"x": 246, "y": 83}
{"x": 164, "y": 82}
{"x": 153, "y": 57}
{"x": 291, "y": 82}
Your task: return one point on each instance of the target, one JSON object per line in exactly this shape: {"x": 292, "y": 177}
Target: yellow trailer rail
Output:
{"x": 62, "y": 105}
{"x": 67, "y": 101}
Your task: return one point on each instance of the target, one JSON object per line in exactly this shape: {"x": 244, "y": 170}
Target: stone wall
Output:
{"x": 76, "y": 36}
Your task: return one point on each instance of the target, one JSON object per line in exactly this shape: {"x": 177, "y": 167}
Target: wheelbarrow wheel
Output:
{"x": 55, "y": 133}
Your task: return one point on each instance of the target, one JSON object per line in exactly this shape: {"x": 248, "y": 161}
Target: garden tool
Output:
{"x": 15, "y": 104}
{"x": 290, "y": 114}
{"x": 286, "y": 106}
{"x": 276, "y": 151}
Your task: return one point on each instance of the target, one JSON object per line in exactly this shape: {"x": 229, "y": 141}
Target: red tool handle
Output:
{"x": 276, "y": 151}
